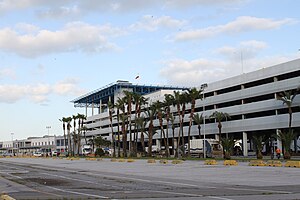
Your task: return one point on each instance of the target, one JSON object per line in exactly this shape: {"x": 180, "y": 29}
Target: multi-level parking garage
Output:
{"x": 251, "y": 99}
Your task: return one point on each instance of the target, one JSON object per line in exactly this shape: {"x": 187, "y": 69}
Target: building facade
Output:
{"x": 45, "y": 144}
{"x": 251, "y": 100}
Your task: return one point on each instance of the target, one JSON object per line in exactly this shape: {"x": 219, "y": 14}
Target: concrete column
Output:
{"x": 158, "y": 143}
{"x": 86, "y": 107}
{"x": 245, "y": 145}
{"x": 100, "y": 106}
{"x": 93, "y": 109}
{"x": 279, "y": 144}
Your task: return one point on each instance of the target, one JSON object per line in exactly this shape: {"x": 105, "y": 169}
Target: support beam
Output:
{"x": 100, "y": 106}
{"x": 86, "y": 107}
{"x": 245, "y": 145}
{"x": 93, "y": 109}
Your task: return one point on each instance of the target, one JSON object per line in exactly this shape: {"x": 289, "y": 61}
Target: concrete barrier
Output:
{"x": 292, "y": 164}
{"x": 274, "y": 163}
{"x": 151, "y": 161}
{"x": 177, "y": 162}
{"x": 163, "y": 161}
{"x": 210, "y": 162}
{"x": 92, "y": 159}
{"x": 6, "y": 197}
{"x": 257, "y": 163}
{"x": 230, "y": 162}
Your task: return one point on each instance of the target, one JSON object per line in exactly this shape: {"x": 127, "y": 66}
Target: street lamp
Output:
{"x": 48, "y": 127}
{"x": 203, "y": 86}
{"x": 12, "y": 140}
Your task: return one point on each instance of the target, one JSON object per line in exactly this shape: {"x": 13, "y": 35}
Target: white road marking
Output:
{"x": 79, "y": 193}
{"x": 150, "y": 181}
{"x": 177, "y": 193}
{"x": 258, "y": 190}
{"x": 18, "y": 177}
{"x": 75, "y": 179}
{"x": 222, "y": 198}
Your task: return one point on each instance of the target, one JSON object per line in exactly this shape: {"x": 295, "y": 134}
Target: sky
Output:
{"x": 52, "y": 52}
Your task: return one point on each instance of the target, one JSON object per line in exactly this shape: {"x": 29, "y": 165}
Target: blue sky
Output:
{"x": 51, "y": 52}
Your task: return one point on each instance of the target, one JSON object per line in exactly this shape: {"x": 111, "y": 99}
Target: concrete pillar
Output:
{"x": 93, "y": 109}
{"x": 100, "y": 106}
{"x": 86, "y": 107}
{"x": 279, "y": 143}
{"x": 158, "y": 143}
{"x": 245, "y": 145}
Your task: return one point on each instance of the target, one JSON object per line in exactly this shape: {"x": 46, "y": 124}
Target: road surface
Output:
{"x": 50, "y": 178}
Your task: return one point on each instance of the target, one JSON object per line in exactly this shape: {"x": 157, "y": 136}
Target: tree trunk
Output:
{"x": 189, "y": 138}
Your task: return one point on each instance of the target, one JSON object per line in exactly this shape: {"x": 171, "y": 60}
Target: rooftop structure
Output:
{"x": 112, "y": 91}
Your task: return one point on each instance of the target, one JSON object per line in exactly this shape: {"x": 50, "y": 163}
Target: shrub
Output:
{"x": 99, "y": 152}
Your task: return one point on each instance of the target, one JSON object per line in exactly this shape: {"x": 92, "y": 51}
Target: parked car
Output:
{"x": 38, "y": 154}
{"x": 6, "y": 154}
{"x": 55, "y": 153}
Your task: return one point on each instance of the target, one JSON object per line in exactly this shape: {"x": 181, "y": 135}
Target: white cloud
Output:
{"x": 76, "y": 36}
{"x": 7, "y": 73}
{"x": 245, "y": 50}
{"x": 68, "y": 87}
{"x": 241, "y": 59}
{"x": 192, "y": 73}
{"x": 151, "y": 23}
{"x": 240, "y": 25}
{"x": 39, "y": 93}
{"x": 73, "y": 8}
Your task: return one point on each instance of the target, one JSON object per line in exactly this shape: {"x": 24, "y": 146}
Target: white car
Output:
{"x": 38, "y": 154}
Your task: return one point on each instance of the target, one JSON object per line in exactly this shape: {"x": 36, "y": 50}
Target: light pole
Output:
{"x": 203, "y": 86}
{"x": 48, "y": 127}
{"x": 12, "y": 140}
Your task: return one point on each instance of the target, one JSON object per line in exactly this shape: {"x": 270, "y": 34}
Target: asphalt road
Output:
{"x": 81, "y": 179}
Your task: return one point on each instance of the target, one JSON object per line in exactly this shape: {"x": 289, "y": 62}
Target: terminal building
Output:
{"x": 251, "y": 100}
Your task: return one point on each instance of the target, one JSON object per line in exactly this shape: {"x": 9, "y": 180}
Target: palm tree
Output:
{"x": 138, "y": 101}
{"x": 120, "y": 105}
{"x": 192, "y": 95}
{"x": 287, "y": 98}
{"x": 75, "y": 141}
{"x": 172, "y": 120}
{"x": 124, "y": 121}
{"x": 167, "y": 103}
{"x": 220, "y": 116}
{"x": 141, "y": 124}
{"x": 177, "y": 103}
{"x": 184, "y": 99}
{"x": 81, "y": 119}
{"x": 198, "y": 119}
{"x": 259, "y": 144}
{"x": 151, "y": 114}
{"x": 64, "y": 121}
{"x": 228, "y": 144}
{"x": 286, "y": 139}
{"x": 158, "y": 105}
{"x": 111, "y": 107}
{"x": 68, "y": 121}
{"x": 128, "y": 99}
